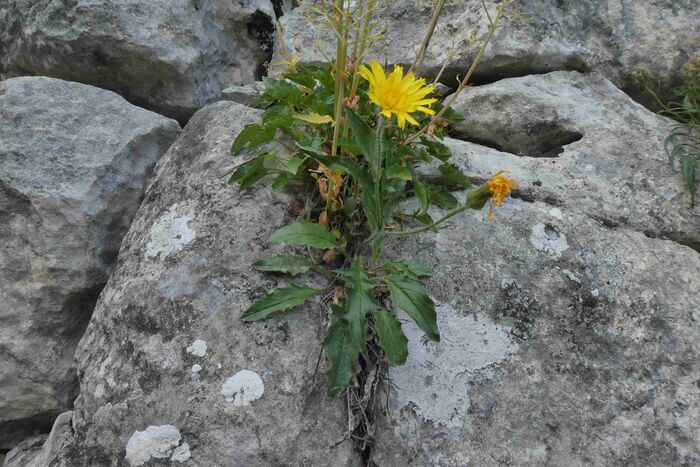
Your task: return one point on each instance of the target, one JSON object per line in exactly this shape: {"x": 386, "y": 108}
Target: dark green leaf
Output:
{"x": 294, "y": 163}
{"x": 410, "y": 267}
{"x": 287, "y": 264}
{"x": 423, "y": 196}
{"x": 277, "y": 301}
{"x": 265, "y": 135}
{"x": 305, "y": 233}
{"x": 442, "y": 198}
{"x": 391, "y": 337}
{"x": 347, "y": 165}
{"x": 301, "y": 78}
{"x": 281, "y": 181}
{"x": 359, "y": 301}
{"x": 250, "y": 172}
{"x": 340, "y": 353}
{"x": 349, "y": 145}
{"x": 245, "y": 136}
{"x": 409, "y": 294}
{"x": 453, "y": 175}
{"x": 398, "y": 172}
{"x": 363, "y": 136}
{"x": 436, "y": 149}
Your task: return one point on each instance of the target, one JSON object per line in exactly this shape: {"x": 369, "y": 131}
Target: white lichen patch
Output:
{"x": 170, "y": 233}
{"x": 155, "y": 442}
{"x": 181, "y": 453}
{"x": 436, "y": 376}
{"x": 549, "y": 239}
{"x": 196, "y": 368}
{"x": 198, "y": 348}
{"x": 243, "y": 388}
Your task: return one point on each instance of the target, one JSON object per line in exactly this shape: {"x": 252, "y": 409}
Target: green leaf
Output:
{"x": 423, "y": 196}
{"x": 301, "y": 78}
{"x": 436, "y": 149}
{"x": 391, "y": 337}
{"x": 245, "y": 136}
{"x": 442, "y": 198}
{"x": 452, "y": 174}
{"x": 359, "y": 301}
{"x": 281, "y": 181}
{"x": 305, "y": 233}
{"x": 294, "y": 163}
{"x": 363, "y": 136}
{"x": 265, "y": 135}
{"x": 347, "y": 165}
{"x": 409, "y": 294}
{"x": 314, "y": 118}
{"x": 277, "y": 301}
{"x": 340, "y": 352}
{"x": 398, "y": 172}
{"x": 410, "y": 267}
{"x": 250, "y": 172}
{"x": 348, "y": 144}
{"x": 373, "y": 209}
{"x": 287, "y": 264}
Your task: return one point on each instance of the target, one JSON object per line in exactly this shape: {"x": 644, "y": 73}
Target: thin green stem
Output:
{"x": 450, "y": 214}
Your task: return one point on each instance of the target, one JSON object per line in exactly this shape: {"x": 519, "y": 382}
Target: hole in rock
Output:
{"x": 542, "y": 140}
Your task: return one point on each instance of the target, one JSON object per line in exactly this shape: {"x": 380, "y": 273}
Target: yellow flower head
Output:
{"x": 396, "y": 93}
{"x": 499, "y": 187}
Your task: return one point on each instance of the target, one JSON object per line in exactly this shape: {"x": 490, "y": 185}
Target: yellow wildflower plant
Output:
{"x": 396, "y": 94}
{"x": 499, "y": 187}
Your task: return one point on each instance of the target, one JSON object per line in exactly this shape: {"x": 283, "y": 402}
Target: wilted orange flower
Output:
{"x": 499, "y": 187}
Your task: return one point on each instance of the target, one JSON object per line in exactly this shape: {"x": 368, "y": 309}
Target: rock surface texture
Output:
{"x": 171, "y": 56}
{"x": 567, "y": 339}
{"x": 74, "y": 161}
{"x": 634, "y": 44}
{"x": 168, "y": 371}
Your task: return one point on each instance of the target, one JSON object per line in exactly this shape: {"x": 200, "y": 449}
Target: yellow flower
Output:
{"x": 396, "y": 93}
{"x": 290, "y": 63}
{"x": 499, "y": 187}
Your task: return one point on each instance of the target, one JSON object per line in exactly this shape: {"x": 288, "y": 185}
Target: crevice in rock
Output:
{"x": 262, "y": 29}
{"x": 546, "y": 141}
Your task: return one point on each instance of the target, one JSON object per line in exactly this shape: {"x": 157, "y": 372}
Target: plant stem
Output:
{"x": 452, "y": 213}
{"x": 341, "y": 51}
{"x": 463, "y": 84}
{"x": 418, "y": 61}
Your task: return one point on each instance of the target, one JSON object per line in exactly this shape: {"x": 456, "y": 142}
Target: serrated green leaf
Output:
{"x": 277, "y": 301}
{"x": 391, "y": 337}
{"x": 249, "y": 173}
{"x": 265, "y": 135}
{"x": 281, "y": 181}
{"x": 301, "y": 78}
{"x": 436, "y": 149}
{"x": 287, "y": 264}
{"x": 363, "y": 136}
{"x": 248, "y": 132}
{"x": 294, "y": 163}
{"x": 398, "y": 172}
{"x": 442, "y": 198}
{"x": 409, "y": 294}
{"x": 305, "y": 233}
{"x": 358, "y": 303}
{"x": 410, "y": 267}
{"x": 340, "y": 352}
{"x": 452, "y": 174}
{"x": 423, "y": 196}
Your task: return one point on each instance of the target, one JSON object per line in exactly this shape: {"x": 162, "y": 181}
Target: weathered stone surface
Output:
{"x": 74, "y": 161}
{"x": 632, "y": 43}
{"x": 577, "y": 142}
{"x": 172, "y": 303}
{"x": 567, "y": 339}
{"x": 246, "y": 94}
{"x": 171, "y": 56}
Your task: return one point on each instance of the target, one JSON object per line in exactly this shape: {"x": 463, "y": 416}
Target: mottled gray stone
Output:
{"x": 601, "y": 361}
{"x": 74, "y": 162}
{"x": 246, "y": 94}
{"x": 576, "y": 141}
{"x": 626, "y": 40}
{"x": 133, "y": 360}
{"x": 171, "y": 56}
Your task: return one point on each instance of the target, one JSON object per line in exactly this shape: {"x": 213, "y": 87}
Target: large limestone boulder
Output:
{"x": 576, "y": 141}
{"x": 170, "y": 56}
{"x": 569, "y": 326}
{"x": 74, "y": 161}
{"x": 634, "y": 44}
{"x": 167, "y": 369}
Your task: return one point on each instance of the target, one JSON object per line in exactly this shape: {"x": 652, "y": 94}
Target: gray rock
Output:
{"x": 576, "y": 141}
{"x": 171, "y": 56}
{"x": 74, "y": 162}
{"x": 542, "y": 370}
{"x": 38, "y": 451}
{"x": 246, "y": 94}
{"x": 566, "y": 339}
{"x": 133, "y": 359}
{"x": 634, "y": 44}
